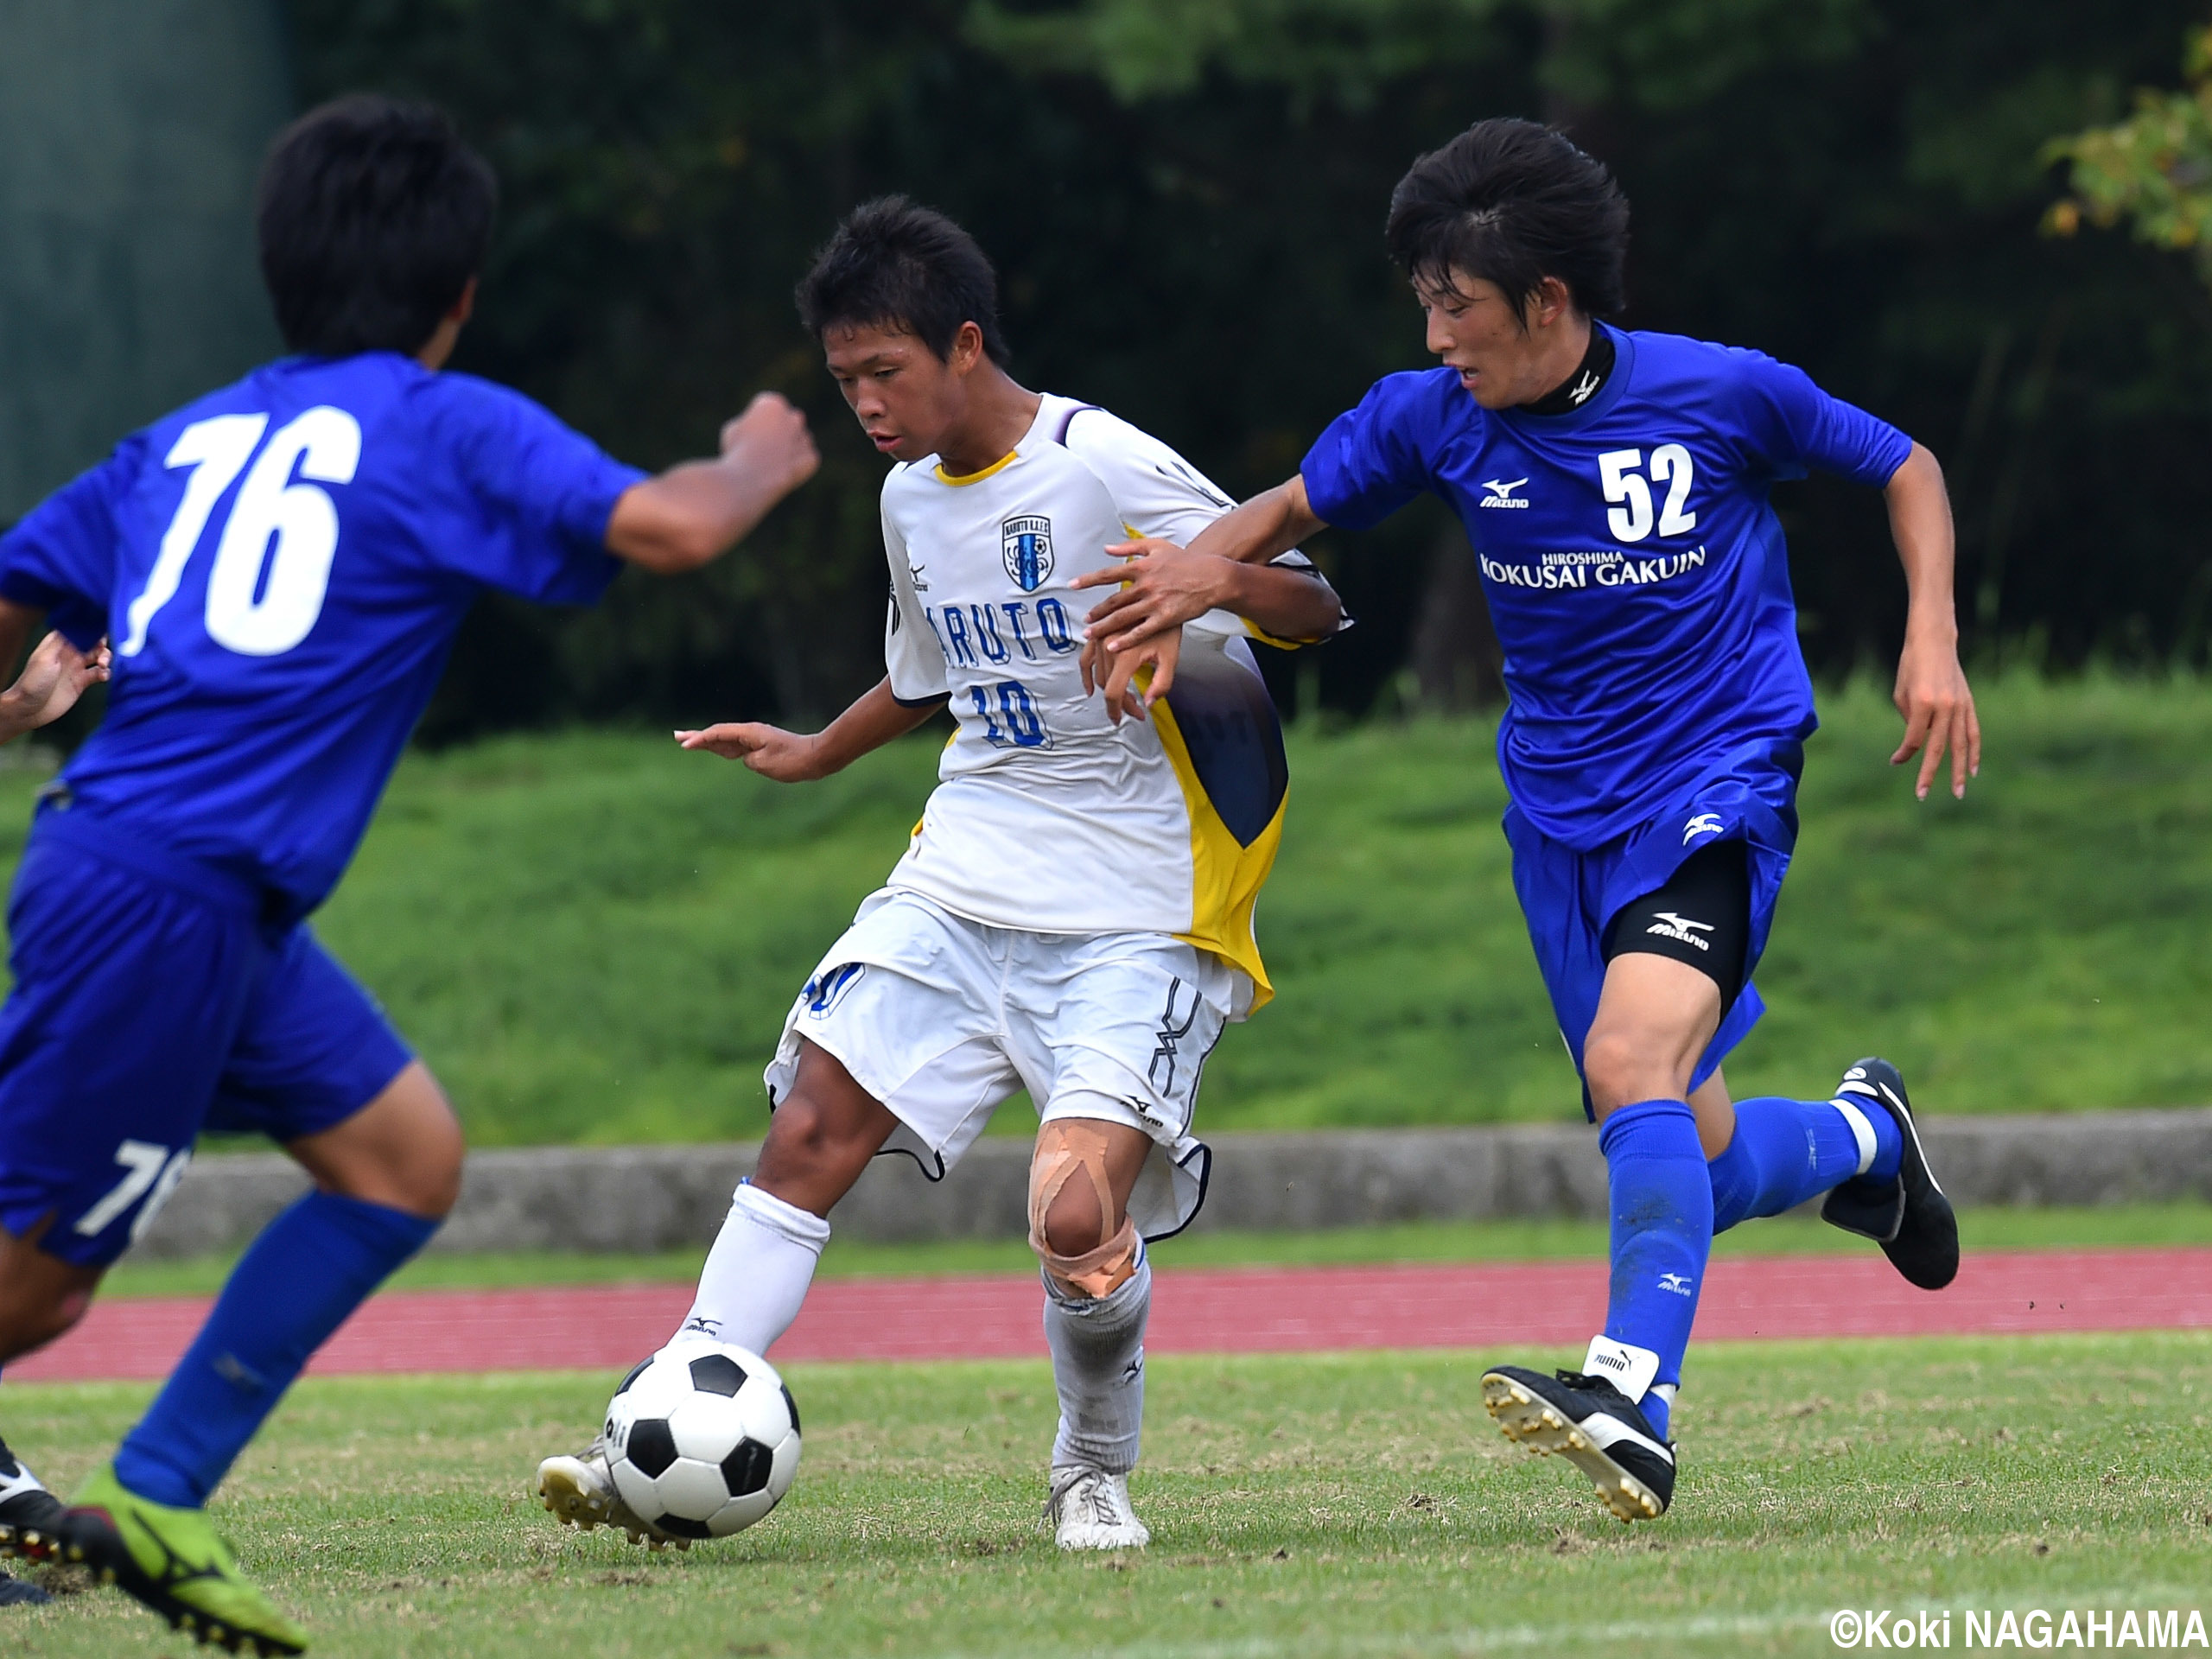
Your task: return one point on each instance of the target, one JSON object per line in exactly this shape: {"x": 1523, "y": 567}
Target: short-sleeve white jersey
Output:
{"x": 1048, "y": 816}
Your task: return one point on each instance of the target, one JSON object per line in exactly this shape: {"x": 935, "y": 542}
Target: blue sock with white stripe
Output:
{"x": 1787, "y": 1151}
{"x": 310, "y": 1267}
{"x": 1661, "y": 1200}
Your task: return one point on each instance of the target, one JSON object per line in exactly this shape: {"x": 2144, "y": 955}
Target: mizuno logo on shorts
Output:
{"x": 1679, "y": 928}
{"x": 1705, "y": 823}
{"x": 1171, "y": 1033}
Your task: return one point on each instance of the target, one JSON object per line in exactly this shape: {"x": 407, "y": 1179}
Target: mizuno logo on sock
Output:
{"x": 1677, "y": 1283}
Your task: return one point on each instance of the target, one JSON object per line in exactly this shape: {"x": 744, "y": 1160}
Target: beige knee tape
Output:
{"x": 1064, "y": 1149}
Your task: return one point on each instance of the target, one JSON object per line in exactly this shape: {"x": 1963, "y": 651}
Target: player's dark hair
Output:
{"x": 896, "y": 265}
{"x": 1512, "y": 202}
{"x": 373, "y": 215}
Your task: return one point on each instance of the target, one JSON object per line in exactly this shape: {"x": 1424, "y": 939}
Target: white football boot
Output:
{"x": 581, "y": 1493}
{"x": 28, "y": 1513}
{"x": 1089, "y": 1509}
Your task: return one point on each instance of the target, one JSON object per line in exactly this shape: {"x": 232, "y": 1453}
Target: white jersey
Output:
{"x": 1050, "y": 819}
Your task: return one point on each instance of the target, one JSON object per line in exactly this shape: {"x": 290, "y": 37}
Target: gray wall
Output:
{"x": 129, "y": 134}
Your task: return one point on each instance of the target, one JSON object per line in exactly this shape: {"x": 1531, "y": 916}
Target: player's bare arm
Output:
{"x": 873, "y": 720}
{"x": 693, "y": 513}
{"x": 52, "y": 681}
{"x": 1169, "y": 586}
{"x": 1931, "y": 690}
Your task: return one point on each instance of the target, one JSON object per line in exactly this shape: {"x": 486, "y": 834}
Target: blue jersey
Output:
{"x": 1635, "y": 569}
{"x": 281, "y": 568}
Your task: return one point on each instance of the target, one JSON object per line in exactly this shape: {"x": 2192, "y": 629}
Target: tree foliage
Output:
{"x": 1186, "y": 203}
{"x": 2153, "y": 169}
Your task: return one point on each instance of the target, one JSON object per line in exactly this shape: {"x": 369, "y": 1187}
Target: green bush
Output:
{"x": 593, "y": 936}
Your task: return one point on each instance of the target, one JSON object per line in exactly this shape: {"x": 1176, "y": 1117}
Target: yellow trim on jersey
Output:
{"x": 1265, "y": 639}
{"x": 998, "y": 466}
{"x": 1225, "y": 877}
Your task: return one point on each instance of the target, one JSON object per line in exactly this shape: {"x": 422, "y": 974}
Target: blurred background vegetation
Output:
{"x": 1985, "y": 220}
{"x": 1186, "y": 200}
{"x": 1917, "y": 202}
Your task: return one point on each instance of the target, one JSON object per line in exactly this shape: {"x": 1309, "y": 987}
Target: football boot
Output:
{"x": 581, "y": 1493}
{"x": 1909, "y": 1217}
{"x": 1089, "y": 1509}
{"x": 172, "y": 1561}
{"x": 28, "y": 1513}
{"x": 1593, "y": 1426}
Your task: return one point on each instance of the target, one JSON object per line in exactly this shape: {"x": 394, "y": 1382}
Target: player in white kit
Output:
{"x": 1074, "y": 913}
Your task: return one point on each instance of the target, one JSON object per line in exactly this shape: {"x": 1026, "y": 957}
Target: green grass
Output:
{"x": 1418, "y": 1241}
{"x": 1346, "y": 1505}
{"x": 593, "y": 937}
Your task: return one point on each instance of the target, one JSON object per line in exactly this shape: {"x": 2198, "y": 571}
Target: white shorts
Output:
{"x": 943, "y": 1018}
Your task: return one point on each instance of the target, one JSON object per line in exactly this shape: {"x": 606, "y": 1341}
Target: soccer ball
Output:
{"x": 704, "y": 1441}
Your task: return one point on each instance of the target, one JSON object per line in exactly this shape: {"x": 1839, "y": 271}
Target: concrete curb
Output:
{"x": 643, "y": 1198}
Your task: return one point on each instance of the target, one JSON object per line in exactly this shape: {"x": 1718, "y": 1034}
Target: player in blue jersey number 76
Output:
{"x": 281, "y": 568}
{"x": 1615, "y": 487}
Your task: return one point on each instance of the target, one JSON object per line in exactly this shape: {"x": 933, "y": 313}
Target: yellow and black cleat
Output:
{"x": 173, "y": 1561}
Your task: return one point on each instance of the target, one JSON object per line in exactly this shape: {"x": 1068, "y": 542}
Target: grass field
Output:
{"x": 593, "y": 936}
{"x": 1354, "y": 1506}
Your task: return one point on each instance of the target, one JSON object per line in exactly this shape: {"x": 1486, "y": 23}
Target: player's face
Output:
{"x": 906, "y": 397}
{"x": 1474, "y": 328}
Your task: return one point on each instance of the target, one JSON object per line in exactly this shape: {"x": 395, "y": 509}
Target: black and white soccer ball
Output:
{"x": 704, "y": 1441}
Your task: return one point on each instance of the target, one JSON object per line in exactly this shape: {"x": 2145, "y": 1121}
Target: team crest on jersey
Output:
{"x": 1026, "y": 544}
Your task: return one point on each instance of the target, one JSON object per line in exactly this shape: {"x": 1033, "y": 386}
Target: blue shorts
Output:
{"x": 1570, "y": 897}
{"x": 152, "y": 1000}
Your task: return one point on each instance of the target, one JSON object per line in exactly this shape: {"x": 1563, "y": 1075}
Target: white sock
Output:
{"x": 1098, "y": 1367}
{"x": 756, "y": 1275}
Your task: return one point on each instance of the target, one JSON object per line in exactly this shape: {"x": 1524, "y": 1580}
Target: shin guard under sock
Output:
{"x": 757, "y": 1274}
{"x": 1097, "y": 1347}
{"x": 310, "y": 1267}
{"x": 1661, "y": 1197}
{"x": 1785, "y": 1152}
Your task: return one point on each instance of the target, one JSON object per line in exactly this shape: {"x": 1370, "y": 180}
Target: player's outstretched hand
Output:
{"x": 1161, "y": 586}
{"x": 1937, "y": 704}
{"x": 1115, "y": 673}
{"x": 52, "y": 681}
{"x": 787, "y": 757}
{"x": 772, "y": 441}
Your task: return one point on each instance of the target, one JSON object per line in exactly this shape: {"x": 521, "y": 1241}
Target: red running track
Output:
{"x": 1245, "y": 1310}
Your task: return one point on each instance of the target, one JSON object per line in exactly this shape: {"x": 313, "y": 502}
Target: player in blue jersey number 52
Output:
{"x": 280, "y": 569}
{"x": 1615, "y": 487}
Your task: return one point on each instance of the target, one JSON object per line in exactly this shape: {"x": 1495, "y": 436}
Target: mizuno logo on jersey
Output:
{"x": 1026, "y": 545}
{"x": 1501, "y": 494}
{"x": 1705, "y": 823}
{"x": 1680, "y": 929}
{"x": 1584, "y": 387}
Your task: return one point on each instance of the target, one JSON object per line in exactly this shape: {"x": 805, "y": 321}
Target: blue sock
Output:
{"x": 1661, "y": 1201}
{"x": 310, "y": 1268}
{"x": 1787, "y": 1151}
